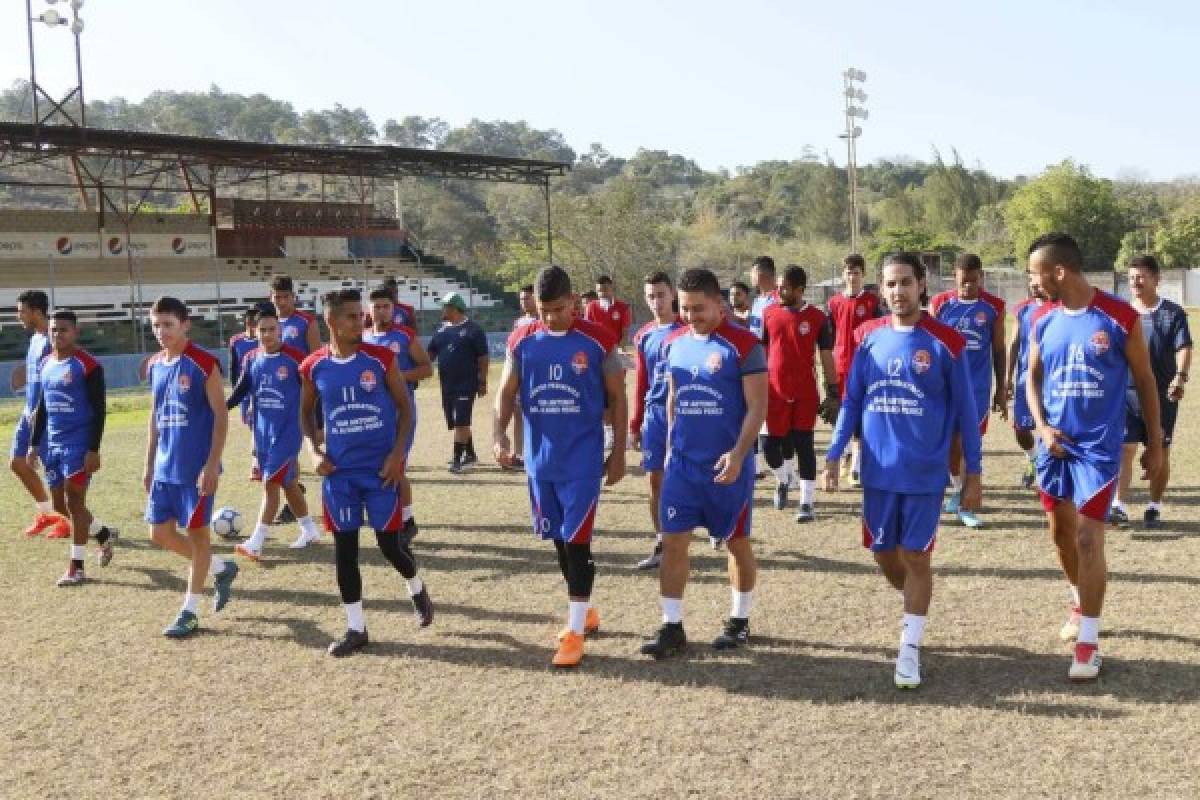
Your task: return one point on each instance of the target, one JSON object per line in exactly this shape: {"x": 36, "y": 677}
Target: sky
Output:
{"x": 1013, "y": 86}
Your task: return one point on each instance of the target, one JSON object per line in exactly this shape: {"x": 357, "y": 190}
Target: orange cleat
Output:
{"x": 242, "y": 550}
{"x": 61, "y": 529}
{"x": 40, "y": 522}
{"x": 570, "y": 651}
{"x": 591, "y": 624}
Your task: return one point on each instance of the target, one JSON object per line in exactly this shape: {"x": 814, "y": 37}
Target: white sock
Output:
{"x": 191, "y": 602}
{"x": 44, "y": 506}
{"x": 78, "y": 552}
{"x": 1074, "y": 596}
{"x": 354, "y": 616}
{"x": 577, "y": 615}
{"x": 740, "y": 608}
{"x": 406, "y": 513}
{"x": 793, "y": 469}
{"x": 781, "y": 474}
{"x": 672, "y": 608}
{"x": 258, "y": 537}
{"x": 1030, "y": 453}
{"x": 95, "y": 527}
{"x": 308, "y": 526}
{"x": 1089, "y": 630}
{"x": 1153, "y": 506}
{"x": 856, "y": 457}
{"x": 1116, "y": 503}
{"x": 217, "y": 565}
{"x": 913, "y": 630}
{"x": 808, "y": 490}
{"x": 658, "y": 539}
{"x": 415, "y": 585}
{"x": 956, "y": 481}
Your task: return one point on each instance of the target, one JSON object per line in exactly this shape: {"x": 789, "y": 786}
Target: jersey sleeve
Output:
{"x": 479, "y": 340}
{"x": 754, "y": 361}
{"x": 1183, "y": 333}
{"x": 825, "y": 333}
{"x": 241, "y": 387}
{"x": 962, "y": 395}
{"x": 852, "y": 403}
{"x": 642, "y": 386}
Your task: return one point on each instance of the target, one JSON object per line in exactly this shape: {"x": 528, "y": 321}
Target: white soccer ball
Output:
{"x": 227, "y": 522}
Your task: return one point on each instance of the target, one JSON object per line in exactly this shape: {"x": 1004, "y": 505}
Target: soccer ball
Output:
{"x": 227, "y": 523}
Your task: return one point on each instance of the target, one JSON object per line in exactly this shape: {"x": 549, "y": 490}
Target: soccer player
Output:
{"x": 529, "y": 312}
{"x": 583, "y": 301}
{"x": 186, "y": 436}
{"x": 240, "y": 344}
{"x": 1018, "y": 370}
{"x": 365, "y": 403}
{"x": 762, "y": 272}
{"x": 32, "y": 308}
{"x": 1169, "y": 340}
{"x": 414, "y": 365}
{"x": 978, "y": 316}
{"x": 849, "y": 309}
{"x": 608, "y": 312}
{"x": 564, "y": 369}
{"x": 739, "y": 301}
{"x": 648, "y": 423}
{"x": 794, "y": 333}
{"x": 1085, "y": 344}
{"x": 908, "y": 392}
{"x": 716, "y": 404}
{"x": 269, "y": 378}
{"x": 69, "y": 418}
{"x": 298, "y": 328}
{"x": 460, "y": 349}
{"x": 403, "y": 314}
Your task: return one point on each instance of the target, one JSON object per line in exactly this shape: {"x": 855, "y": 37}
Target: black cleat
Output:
{"x": 1118, "y": 518}
{"x": 351, "y": 640}
{"x": 408, "y": 533}
{"x": 653, "y": 560}
{"x": 468, "y": 459}
{"x": 805, "y": 514}
{"x": 781, "y": 491}
{"x": 670, "y": 640}
{"x": 423, "y": 608}
{"x": 736, "y": 634}
{"x": 1152, "y": 519}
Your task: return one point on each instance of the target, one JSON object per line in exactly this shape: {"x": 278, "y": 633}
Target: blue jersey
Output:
{"x": 457, "y": 349}
{"x": 907, "y": 394}
{"x": 1023, "y": 314}
{"x": 976, "y": 321}
{"x": 294, "y": 329}
{"x": 68, "y": 394}
{"x": 1085, "y": 373}
{"x": 562, "y": 393}
{"x": 757, "y": 309}
{"x": 360, "y": 415}
{"x": 182, "y": 414}
{"x": 1166, "y": 329}
{"x": 274, "y": 391}
{"x": 709, "y": 402}
{"x": 39, "y": 348}
{"x": 651, "y": 368}
{"x": 398, "y": 339}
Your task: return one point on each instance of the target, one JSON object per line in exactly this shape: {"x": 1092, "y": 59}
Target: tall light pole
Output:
{"x": 852, "y": 79}
{"x": 53, "y": 19}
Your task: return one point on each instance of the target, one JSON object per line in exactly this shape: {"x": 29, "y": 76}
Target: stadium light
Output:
{"x": 853, "y": 93}
{"x": 52, "y": 18}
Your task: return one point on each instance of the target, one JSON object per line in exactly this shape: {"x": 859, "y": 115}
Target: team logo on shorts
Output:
{"x": 980, "y": 318}
{"x": 713, "y": 363}
{"x": 1099, "y": 343}
{"x": 281, "y": 373}
{"x": 921, "y": 361}
{"x": 860, "y": 311}
{"x": 579, "y": 362}
{"x": 367, "y": 380}
{"x": 185, "y": 383}
{"x": 804, "y": 328}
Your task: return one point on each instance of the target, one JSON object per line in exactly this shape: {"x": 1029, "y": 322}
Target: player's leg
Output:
{"x": 464, "y": 410}
{"x": 293, "y": 491}
{"x": 654, "y": 454}
{"x": 1117, "y": 515}
{"x": 806, "y": 464}
{"x": 772, "y": 448}
{"x": 81, "y": 519}
{"x": 386, "y": 515}
{"x": 253, "y": 546}
{"x": 45, "y": 515}
{"x": 1092, "y": 493}
{"x": 953, "y": 497}
{"x": 728, "y": 515}
{"x": 1028, "y": 446}
{"x": 678, "y": 515}
{"x": 777, "y": 446}
{"x": 343, "y": 507}
{"x": 1152, "y": 516}
{"x": 576, "y": 502}
{"x": 918, "y": 526}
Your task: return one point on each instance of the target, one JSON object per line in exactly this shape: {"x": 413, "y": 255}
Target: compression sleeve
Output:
{"x": 241, "y": 389}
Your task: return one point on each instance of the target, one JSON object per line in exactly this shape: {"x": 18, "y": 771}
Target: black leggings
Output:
{"x": 578, "y": 568}
{"x": 349, "y": 577}
{"x": 777, "y": 449}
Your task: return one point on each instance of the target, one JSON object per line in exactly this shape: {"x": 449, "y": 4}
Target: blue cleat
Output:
{"x": 184, "y": 625}
{"x": 951, "y": 505}
{"x": 970, "y": 519}
{"x": 223, "y": 585}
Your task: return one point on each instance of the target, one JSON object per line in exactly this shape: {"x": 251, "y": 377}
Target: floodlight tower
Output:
{"x": 852, "y": 79}
{"x": 51, "y": 18}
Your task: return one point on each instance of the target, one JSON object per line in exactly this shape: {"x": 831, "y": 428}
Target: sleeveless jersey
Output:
{"x": 294, "y": 329}
{"x": 275, "y": 391}
{"x": 1023, "y": 314}
{"x": 360, "y": 416}
{"x": 975, "y": 320}
{"x": 651, "y": 368}
{"x": 182, "y": 414}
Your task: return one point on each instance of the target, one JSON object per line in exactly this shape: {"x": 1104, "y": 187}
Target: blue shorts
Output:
{"x": 892, "y": 520}
{"x": 275, "y": 461}
{"x": 183, "y": 504}
{"x": 1022, "y": 417}
{"x": 65, "y": 464}
{"x": 21, "y": 436}
{"x": 345, "y": 495}
{"x": 564, "y": 510}
{"x": 690, "y": 499}
{"x": 654, "y": 438}
{"x": 1087, "y": 484}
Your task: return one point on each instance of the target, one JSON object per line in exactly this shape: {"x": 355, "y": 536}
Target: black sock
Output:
{"x": 470, "y": 447}
{"x": 77, "y": 563}
{"x": 459, "y": 449}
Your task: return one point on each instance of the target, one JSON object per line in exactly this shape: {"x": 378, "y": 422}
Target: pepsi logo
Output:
{"x": 579, "y": 362}
{"x": 64, "y": 246}
{"x": 713, "y": 363}
{"x": 178, "y": 246}
{"x": 921, "y": 361}
{"x": 115, "y": 246}
{"x": 1099, "y": 342}
{"x": 367, "y": 380}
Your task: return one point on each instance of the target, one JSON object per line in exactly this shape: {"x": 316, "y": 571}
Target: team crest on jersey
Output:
{"x": 281, "y": 373}
{"x": 1099, "y": 343}
{"x": 185, "y": 383}
{"x": 921, "y": 361}
{"x": 804, "y": 328}
{"x": 395, "y": 347}
{"x": 367, "y": 380}
{"x": 980, "y": 318}
{"x": 579, "y": 362}
{"x": 616, "y": 314}
{"x": 66, "y": 378}
{"x": 860, "y": 311}
{"x": 713, "y": 363}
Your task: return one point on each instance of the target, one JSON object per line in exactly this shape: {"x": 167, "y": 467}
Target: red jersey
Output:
{"x": 792, "y": 336}
{"x": 847, "y": 313}
{"x": 615, "y": 319}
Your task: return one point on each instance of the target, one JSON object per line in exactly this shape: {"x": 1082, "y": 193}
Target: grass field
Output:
{"x": 95, "y": 703}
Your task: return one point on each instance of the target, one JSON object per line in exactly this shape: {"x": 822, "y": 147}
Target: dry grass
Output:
{"x": 95, "y": 703}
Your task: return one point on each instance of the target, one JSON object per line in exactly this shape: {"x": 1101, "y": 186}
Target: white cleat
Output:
{"x": 1085, "y": 666}
{"x": 305, "y": 539}
{"x": 1069, "y": 632}
{"x": 908, "y": 667}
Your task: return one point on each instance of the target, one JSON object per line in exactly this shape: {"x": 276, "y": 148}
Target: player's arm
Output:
{"x": 641, "y": 386}
{"x": 241, "y": 389}
{"x": 151, "y": 449}
{"x": 962, "y": 395}
{"x": 393, "y": 466}
{"x": 1138, "y": 357}
{"x": 422, "y": 367}
{"x": 308, "y": 424}
{"x": 848, "y": 419}
{"x": 1010, "y": 366}
{"x": 999, "y": 368}
{"x": 1183, "y": 359}
{"x": 754, "y": 389}
{"x": 37, "y": 419}
{"x": 506, "y": 402}
{"x": 96, "y": 393}
{"x": 1033, "y": 396}
{"x": 614, "y": 388}
{"x": 481, "y": 363}
{"x": 216, "y": 400}
{"x": 829, "y": 406}
{"x": 312, "y": 335}
{"x": 235, "y": 365}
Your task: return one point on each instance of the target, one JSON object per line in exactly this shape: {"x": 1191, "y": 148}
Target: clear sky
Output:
{"x": 1013, "y": 85}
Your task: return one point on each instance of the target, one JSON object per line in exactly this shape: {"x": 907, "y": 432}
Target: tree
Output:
{"x": 1068, "y": 198}
{"x": 425, "y": 133}
{"x": 1178, "y": 242}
